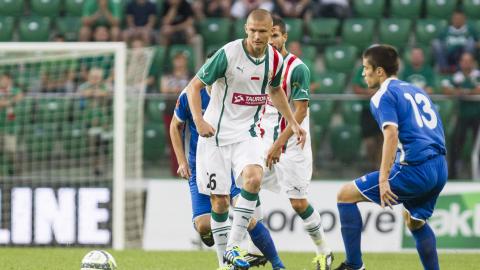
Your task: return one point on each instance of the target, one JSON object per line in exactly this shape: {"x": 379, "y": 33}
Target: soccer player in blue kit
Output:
{"x": 414, "y": 174}
{"x": 201, "y": 205}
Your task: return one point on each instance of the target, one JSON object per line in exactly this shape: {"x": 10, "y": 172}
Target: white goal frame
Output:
{"x": 120, "y": 51}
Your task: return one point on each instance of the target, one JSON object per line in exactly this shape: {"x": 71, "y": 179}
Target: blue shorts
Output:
{"x": 417, "y": 186}
{"x": 200, "y": 202}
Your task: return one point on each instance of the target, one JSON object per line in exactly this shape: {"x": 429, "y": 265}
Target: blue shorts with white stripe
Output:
{"x": 417, "y": 186}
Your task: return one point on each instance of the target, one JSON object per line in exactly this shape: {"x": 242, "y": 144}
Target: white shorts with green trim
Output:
{"x": 293, "y": 173}
{"x": 216, "y": 165}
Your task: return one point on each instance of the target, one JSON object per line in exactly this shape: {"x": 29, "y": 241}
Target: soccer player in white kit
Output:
{"x": 290, "y": 166}
{"x": 242, "y": 74}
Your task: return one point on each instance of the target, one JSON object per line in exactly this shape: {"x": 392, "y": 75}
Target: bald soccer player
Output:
{"x": 242, "y": 74}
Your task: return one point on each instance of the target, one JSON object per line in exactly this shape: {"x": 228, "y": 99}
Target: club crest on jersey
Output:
{"x": 249, "y": 100}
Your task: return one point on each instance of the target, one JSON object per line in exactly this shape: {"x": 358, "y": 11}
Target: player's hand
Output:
{"x": 273, "y": 155}
{"x": 184, "y": 171}
{"x": 387, "y": 197}
{"x": 204, "y": 129}
{"x": 300, "y": 133}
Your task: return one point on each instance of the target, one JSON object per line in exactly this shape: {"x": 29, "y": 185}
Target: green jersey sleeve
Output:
{"x": 277, "y": 79}
{"x": 300, "y": 83}
{"x": 214, "y": 68}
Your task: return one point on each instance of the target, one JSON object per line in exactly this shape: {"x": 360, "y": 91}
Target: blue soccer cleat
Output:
{"x": 234, "y": 257}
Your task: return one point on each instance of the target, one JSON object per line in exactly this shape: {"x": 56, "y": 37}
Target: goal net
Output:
{"x": 71, "y": 121}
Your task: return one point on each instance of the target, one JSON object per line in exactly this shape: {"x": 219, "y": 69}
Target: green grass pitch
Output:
{"x": 69, "y": 258}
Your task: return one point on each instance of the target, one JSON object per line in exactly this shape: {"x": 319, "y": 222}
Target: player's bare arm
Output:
{"x": 195, "y": 102}
{"x": 390, "y": 142}
{"x": 279, "y": 100}
{"x": 176, "y": 128}
{"x": 273, "y": 156}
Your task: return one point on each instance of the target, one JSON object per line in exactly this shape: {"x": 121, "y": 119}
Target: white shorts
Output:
{"x": 293, "y": 173}
{"x": 216, "y": 165}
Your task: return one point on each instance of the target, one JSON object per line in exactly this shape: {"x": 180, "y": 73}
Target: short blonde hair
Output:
{"x": 260, "y": 15}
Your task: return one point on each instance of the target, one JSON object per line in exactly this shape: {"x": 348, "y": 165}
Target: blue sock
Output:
{"x": 263, "y": 240}
{"x": 351, "y": 222}
{"x": 426, "y": 247}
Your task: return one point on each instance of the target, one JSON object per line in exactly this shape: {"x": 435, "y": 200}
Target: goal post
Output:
{"x": 71, "y": 136}
{"x": 118, "y": 224}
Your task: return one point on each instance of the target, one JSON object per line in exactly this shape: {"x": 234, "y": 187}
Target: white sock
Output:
{"x": 220, "y": 231}
{"x": 258, "y": 214}
{"x": 242, "y": 214}
{"x": 313, "y": 225}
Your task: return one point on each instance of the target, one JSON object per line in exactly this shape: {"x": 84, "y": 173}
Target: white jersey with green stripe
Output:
{"x": 240, "y": 86}
{"x": 296, "y": 84}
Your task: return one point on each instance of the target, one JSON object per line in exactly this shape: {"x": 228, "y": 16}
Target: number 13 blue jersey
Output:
{"x": 420, "y": 129}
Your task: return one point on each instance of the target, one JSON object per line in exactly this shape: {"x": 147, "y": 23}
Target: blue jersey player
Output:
{"x": 201, "y": 206}
{"x": 413, "y": 170}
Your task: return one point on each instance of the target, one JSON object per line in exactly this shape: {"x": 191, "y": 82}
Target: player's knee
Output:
{"x": 349, "y": 194}
{"x": 220, "y": 203}
{"x": 299, "y": 205}
{"x": 252, "y": 185}
{"x": 252, "y": 177}
{"x": 414, "y": 224}
{"x": 343, "y": 194}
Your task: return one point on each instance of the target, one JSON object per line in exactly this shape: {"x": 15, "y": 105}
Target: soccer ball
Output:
{"x": 98, "y": 260}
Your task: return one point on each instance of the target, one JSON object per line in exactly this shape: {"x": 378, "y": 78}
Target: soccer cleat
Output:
{"x": 234, "y": 257}
{"x": 207, "y": 239}
{"x": 255, "y": 260}
{"x": 344, "y": 266}
{"x": 323, "y": 262}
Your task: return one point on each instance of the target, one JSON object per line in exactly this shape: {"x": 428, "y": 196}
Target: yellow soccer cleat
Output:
{"x": 323, "y": 261}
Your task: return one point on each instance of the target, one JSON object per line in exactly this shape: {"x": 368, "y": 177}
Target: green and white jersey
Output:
{"x": 296, "y": 84}
{"x": 240, "y": 86}
{"x": 458, "y": 37}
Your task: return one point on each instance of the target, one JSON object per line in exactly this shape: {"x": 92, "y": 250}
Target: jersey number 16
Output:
{"x": 212, "y": 183}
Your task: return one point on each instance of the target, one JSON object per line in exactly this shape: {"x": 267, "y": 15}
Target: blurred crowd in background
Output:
{"x": 438, "y": 40}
